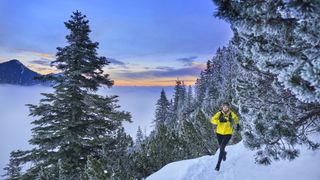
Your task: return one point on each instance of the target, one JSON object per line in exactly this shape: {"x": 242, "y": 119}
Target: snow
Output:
{"x": 240, "y": 166}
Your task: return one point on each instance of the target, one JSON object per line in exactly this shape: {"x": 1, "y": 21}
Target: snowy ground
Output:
{"x": 240, "y": 166}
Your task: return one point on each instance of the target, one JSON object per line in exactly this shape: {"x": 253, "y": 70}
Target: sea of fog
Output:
{"x": 15, "y": 123}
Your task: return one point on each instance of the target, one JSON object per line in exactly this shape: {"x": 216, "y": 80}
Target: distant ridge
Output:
{"x": 14, "y": 72}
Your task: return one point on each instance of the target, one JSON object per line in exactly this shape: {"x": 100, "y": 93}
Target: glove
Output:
{"x": 238, "y": 127}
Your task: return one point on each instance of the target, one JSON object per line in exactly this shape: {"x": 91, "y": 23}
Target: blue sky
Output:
{"x": 149, "y": 42}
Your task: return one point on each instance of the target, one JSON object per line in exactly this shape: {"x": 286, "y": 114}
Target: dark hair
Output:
{"x": 226, "y": 104}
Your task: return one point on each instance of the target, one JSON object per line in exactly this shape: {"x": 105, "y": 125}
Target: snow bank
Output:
{"x": 240, "y": 166}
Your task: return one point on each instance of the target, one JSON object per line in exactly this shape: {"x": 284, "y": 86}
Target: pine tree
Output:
{"x": 72, "y": 122}
{"x": 178, "y": 106}
{"x": 216, "y": 83}
{"x": 200, "y": 90}
{"x": 141, "y": 164}
{"x": 165, "y": 144}
{"x": 205, "y": 132}
{"x": 278, "y": 87}
{"x": 189, "y": 101}
{"x": 13, "y": 169}
{"x": 214, "y": 90}
{"x": 162, "y": 109}
{"x": 199, "y": 137}
{"x": 140, "y": 136}
{"x": 163, "y": 147}
{"x": 115, "y": 155}
{"x": 179, "y": 95}
{"x": 95, "y": 170}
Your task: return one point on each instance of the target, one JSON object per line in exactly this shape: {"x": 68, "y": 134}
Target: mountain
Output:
{"x": 240, "y": 165}
{"x": 14, "y": 72}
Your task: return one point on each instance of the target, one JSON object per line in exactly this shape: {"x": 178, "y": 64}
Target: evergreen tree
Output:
{"x": 199, "y": 137}
{"x": 278, "y": 87}
{"x": 216, "y": 83}
{"x": 115, "y": 155}
{"x": 140, "y": 136}
{"x": 178, "y": 106}
{"x": 95, "y": 170}
{"x": 206, "y": 133}
{"x": 162, "y": 109}
{"x": 13, "y": 169}
{"x": 189, "y": 101}
{"x": 142, "y": 164}
{"x": 200, "y": 89}
{"x": 179, "y": 95}
{"x": 73, "y": 123}
{"x": 163, "y": 147}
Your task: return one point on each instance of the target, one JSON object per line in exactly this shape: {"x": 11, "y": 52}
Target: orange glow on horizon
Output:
{"x": 154, "y": 82}
{"x": 41, "y": 69}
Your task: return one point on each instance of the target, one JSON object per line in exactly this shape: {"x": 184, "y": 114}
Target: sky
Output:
{"x": 149, "y": 42}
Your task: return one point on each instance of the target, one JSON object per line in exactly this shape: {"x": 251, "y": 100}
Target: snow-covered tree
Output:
{"x": 115, "y": 155}
{"x": 13, "y": 169}
{"x": 95, "y": 170}
{"x": 177, "y": 106}
{"x": 140, "y": 136}
{"x": 179, "y": 98}
{"x": 73, "y": 122}
{"x": 278, "y": 87}
{"x": 162, "y": 109}
{"x": 200, "y": 89}
{"x": 189, "y": 105}
{"x": 199, "y": 136}
{"x": 164, "y": 147}
{"x": 216, "y": 83}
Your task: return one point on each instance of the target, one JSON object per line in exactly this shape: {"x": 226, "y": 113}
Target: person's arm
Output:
{"x": 215, "y": 118}
{"x": 236, "y": 120}
{"x": 235, "y": 117}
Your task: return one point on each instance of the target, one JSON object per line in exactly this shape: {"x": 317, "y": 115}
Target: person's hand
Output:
{"x": 238, "y": 127}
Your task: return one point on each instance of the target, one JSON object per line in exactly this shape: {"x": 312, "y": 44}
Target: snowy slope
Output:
{"x": 240, "y": 166}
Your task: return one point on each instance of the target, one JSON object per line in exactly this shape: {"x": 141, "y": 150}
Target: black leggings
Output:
{"x": 223, "y": 141}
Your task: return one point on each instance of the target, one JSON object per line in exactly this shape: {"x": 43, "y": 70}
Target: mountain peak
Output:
{"x": 12, "y": 62}
{"x": 14, "y": 72}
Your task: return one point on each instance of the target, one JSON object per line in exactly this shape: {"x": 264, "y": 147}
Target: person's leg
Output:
{"x": 220, "y": 138}
{"x": 225, "y": 143}
{"x": 224, "y": 139}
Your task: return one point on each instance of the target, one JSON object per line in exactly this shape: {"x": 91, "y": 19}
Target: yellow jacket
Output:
{"x": 224, "y": 127}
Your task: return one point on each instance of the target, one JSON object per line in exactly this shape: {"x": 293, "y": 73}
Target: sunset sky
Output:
{"x": 149, "y": 42}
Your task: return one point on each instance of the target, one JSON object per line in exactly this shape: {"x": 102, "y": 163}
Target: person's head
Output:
{"x": 225, "y": 107}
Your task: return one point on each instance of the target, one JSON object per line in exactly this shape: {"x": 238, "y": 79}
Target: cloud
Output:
{"x": 167, "y": 68}
{"x": 42, "y": 61}
{"x": 162, "y": 72}
{"x": 154, "y": 82}
{"x": 42, "y": 69}
{"x": 117, "y": 63}
{"x": 188, "y": 61}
